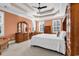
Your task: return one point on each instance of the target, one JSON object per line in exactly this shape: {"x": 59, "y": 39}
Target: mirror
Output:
{"x": 22, "y": 27}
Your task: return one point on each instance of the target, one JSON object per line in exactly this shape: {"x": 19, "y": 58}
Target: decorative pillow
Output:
{"x": 58, "y": 34}
{"x": 63, "y": 34}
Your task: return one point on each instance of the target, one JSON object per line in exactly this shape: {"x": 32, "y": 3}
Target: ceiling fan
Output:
{"x": 39, "y": 7}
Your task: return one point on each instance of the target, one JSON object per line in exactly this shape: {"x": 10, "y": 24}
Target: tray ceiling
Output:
{"x": 27, "y": 10}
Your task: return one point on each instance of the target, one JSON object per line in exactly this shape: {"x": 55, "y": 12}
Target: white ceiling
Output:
{"x": 27, "y": 10}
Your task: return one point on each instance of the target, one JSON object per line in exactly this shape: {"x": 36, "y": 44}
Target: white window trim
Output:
{"x": 55, "y": 26}
{"x": 41, "y": 23}
{"x": 2, "y": 23}
{"x": 33, "y": 26}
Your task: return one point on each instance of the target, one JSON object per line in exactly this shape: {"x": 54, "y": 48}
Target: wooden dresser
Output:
{"x": 22, "y": 32}
{"x": 20, "y": 37}
{"x": 47, "y": 29}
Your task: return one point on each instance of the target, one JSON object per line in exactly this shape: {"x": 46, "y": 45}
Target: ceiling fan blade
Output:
{"x": 46, "y": 11}
{"x": 42, "y": 7}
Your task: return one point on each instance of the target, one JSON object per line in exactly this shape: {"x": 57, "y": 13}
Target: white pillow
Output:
{"x": 63, "y": 34}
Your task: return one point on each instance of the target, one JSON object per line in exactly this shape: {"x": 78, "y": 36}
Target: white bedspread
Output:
{"x": 49, "y": 41}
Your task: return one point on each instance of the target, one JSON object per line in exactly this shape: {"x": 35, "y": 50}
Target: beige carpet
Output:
{"x": 24, "y": 49}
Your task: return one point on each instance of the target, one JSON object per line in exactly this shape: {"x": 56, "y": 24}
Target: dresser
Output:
{"x": 47, "y": 29}
{"x": 22, "y": 32}
{"x": 20, "y": 37}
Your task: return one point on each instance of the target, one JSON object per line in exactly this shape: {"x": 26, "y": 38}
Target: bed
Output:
{"x": 50, "y": 41}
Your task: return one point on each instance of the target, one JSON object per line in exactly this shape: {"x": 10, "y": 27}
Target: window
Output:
{"x": 1, "y": 23}
{"x": 33, "y": 26}
{"x": 56, "y": 26}
{"x": 41, "y": 26}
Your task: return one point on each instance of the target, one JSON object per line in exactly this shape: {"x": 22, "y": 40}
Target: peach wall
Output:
{"x": 10, "y": 23}
{"x": 48, "y": 23}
